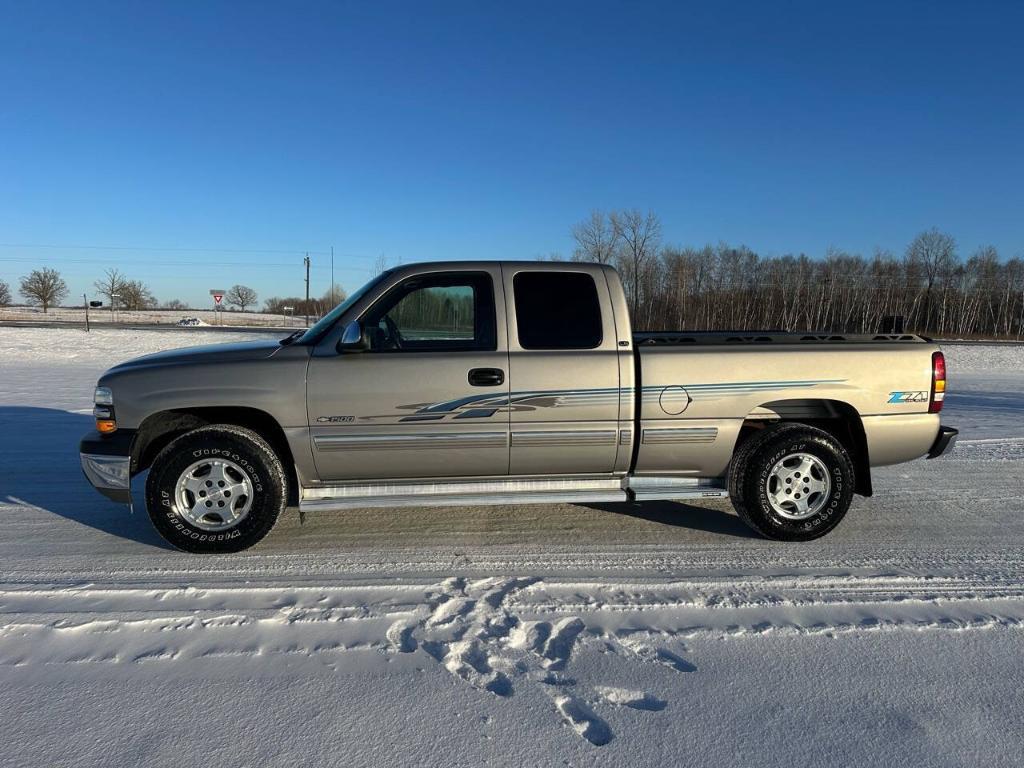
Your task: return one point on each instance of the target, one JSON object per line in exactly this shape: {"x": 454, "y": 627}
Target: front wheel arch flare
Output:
{"x": 159, "y": 429}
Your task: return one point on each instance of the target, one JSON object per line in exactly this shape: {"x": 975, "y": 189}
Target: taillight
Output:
{"x": 938, "y": 383}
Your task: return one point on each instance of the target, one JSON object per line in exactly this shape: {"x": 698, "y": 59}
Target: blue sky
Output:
{"x": 485, "y": 130}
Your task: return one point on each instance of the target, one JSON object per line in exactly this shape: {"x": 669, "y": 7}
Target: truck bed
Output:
{"x": 717, "y": 338}
{"x": 697, "y": 390}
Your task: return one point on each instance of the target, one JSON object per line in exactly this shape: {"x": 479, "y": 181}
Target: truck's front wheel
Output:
{"x": 791, "y": 482}
{"x": 218, "y": 488}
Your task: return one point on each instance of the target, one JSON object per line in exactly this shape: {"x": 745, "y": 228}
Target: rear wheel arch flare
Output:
{"x": 837, "y": 417}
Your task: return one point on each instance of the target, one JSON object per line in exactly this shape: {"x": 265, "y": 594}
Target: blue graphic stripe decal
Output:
{"x": 477, "y": 413}
{"x": 486, "y": 405}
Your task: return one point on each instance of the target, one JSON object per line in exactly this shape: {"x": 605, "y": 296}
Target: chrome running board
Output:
{"x": 546, "y": 490}
{"x": 655, "y": 487}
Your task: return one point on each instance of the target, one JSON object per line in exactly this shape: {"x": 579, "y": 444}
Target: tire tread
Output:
{"x": 278, "y": 478}
{"x": 740, "y": 466}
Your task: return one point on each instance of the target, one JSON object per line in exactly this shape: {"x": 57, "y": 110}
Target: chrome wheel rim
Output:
{"x": 214, "y": 494}
{"x": 798, "y": 486}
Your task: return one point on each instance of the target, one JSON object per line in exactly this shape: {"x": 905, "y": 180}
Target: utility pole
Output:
{"x": 332, "y": 277}
{"x": 85, "y": 300}
{"x": 306, "y": 262}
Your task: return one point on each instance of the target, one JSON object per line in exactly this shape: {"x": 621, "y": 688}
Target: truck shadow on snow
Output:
{"x": 680, "y": 515}
{"x": 39, "y": 466}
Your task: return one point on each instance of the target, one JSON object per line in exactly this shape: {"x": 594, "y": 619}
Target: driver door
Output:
{"x": 428, "y": 398}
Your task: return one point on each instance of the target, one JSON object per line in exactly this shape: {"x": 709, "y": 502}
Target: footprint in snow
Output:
{"x": 468, "y": 628}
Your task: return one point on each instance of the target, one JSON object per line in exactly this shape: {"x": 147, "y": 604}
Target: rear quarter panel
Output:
{"x": 694, "y": 400}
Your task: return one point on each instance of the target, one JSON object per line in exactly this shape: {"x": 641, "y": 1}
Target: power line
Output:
{"x": 295, "y": 251}
{"x": 110, "y": 262}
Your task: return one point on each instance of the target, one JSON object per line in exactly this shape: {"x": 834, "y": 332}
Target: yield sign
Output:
{"x": 217, "y": 297}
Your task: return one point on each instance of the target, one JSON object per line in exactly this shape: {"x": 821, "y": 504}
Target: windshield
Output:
{"x": 318, "y": 329}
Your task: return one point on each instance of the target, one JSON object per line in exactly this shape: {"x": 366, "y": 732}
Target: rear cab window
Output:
{"x": 557, "y": 310}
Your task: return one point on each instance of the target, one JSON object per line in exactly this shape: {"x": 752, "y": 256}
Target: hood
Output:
{"x": 207, "y": 353}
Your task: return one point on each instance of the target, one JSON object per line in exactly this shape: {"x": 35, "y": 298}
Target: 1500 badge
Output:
{"x": 334, "y": 419}
{"x": 908, "y": 397}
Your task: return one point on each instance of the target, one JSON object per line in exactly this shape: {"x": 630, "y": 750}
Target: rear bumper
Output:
{"x": 106, "y": 463}
{"x": 944, "y": 442}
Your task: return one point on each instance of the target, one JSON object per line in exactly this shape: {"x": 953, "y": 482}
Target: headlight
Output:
{"x": 104, "y": 410}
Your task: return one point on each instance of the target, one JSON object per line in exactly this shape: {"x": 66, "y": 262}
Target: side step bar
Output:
{"x": 653, "y": 488}
{"x": 509, "y": 491}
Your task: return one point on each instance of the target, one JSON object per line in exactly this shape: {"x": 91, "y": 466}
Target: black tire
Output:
{"x": 244, "y": 448}
{"x": 751, "y": 468}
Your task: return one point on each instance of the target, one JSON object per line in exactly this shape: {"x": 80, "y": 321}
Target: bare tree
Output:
{"x": 334, "y": 295}
{"x": 933, "y": 253}
{"x": 299, "y": 306}
{"x": 175, "y": 304}
{"x": 44, "y": 287}
{"x": 110, "y": 285}
{"x": 640, "y": 236}
{"x": 241, "y": 296}
{"x": 135, "y": 295}
{"x": 5, "y": 294}
{"x": 726, "y": 287}
{"x": 380, "y": 265}
{"x": 596, "y": 239}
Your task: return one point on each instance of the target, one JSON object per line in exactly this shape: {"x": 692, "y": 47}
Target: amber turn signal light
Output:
{"x": 106, "y": 426}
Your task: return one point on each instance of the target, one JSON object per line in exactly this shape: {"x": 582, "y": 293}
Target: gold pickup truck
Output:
{"x": 509, "y": 382}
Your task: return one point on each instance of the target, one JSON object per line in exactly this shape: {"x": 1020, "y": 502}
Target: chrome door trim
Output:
{"x": 679, "y": 435}
{"x": 419, "y": 440}
{"x": 568, "y": 437}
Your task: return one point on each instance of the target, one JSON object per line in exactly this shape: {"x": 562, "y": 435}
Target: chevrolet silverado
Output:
{"x": 509, "y": 382}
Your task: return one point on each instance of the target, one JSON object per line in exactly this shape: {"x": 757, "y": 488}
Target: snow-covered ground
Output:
{"x": 104, "y": 317}
{"x": 657, "y": 634}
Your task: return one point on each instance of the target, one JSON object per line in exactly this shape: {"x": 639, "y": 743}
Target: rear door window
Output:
{"x": 557, "y": 310}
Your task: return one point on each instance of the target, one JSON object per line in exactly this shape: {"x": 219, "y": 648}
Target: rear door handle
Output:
{"x": 486, "y": 377}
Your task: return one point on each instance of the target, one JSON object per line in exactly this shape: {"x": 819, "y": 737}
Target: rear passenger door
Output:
{"x": 563, "y": 371}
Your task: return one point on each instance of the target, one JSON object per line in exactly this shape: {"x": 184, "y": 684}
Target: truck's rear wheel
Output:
{"x": 219, "y": 488}
{"x": 791, "y": 482}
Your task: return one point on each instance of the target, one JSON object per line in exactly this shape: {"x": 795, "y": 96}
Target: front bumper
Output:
{"x": 106, "y": 463}
{"x": 944, "y": 442}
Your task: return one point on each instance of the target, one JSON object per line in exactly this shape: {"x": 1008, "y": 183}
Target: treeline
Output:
{"x": 445, "y": 310}
{"x": 931, "y": 286}
{"x": 297, "y": 306}
{"x": 45, "y": 288}
{"x": 120, "y": 292}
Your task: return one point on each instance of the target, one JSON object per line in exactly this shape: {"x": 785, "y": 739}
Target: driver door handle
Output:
{"x": 486, "y": 377}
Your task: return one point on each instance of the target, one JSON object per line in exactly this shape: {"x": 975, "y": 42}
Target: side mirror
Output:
{"x": 354, "y": 338}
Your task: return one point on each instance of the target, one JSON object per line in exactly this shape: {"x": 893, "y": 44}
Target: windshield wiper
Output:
{"x": 291, "y": 337}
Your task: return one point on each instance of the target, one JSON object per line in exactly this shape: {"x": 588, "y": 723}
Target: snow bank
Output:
{"x": 163, "y": 317}
{"x": 984, "y": 358}
{"x": 106, "y": 346}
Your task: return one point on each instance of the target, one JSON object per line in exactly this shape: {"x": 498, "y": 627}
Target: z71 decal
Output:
{"x": 908, "y": 397}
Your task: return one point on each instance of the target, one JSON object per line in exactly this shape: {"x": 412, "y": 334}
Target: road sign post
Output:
{"x": 218, "y": 297}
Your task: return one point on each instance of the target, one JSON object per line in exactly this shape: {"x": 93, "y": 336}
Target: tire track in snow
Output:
{"x": 495, "y": 635}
